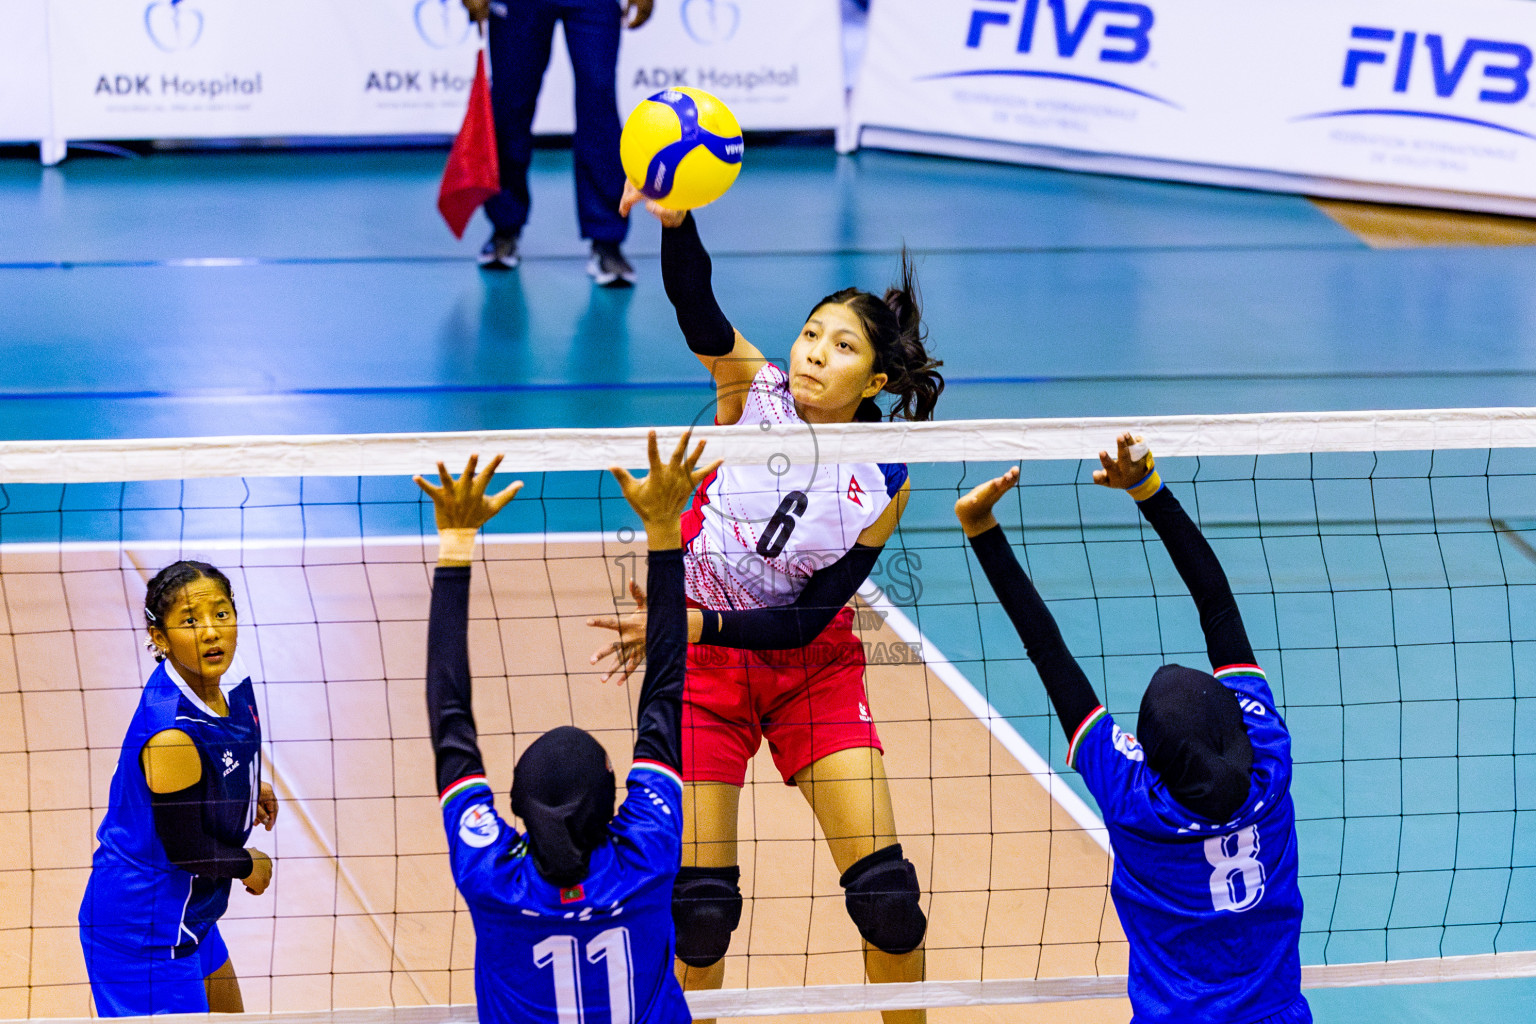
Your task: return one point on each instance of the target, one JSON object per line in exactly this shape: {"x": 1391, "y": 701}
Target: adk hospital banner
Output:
{"x": 1426, "y": 96}
{"x": 133, "y": 69}
{"x": 1413, "y": 100}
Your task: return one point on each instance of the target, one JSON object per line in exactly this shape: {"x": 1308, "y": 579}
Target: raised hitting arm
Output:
{"x": 1071, "y": 694}
{"x": 462, "y": 507}
{"x": 686, "y": 272}
{"x": 1226, "y": 640}
{"x": 659, "y": 500}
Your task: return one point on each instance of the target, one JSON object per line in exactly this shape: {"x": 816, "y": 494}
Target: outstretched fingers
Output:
{"x": 1126, "y": 466}
{"x": 483, "y": 478}
{"x": 499, "y": 501}
{"x": 680, "y": 453}
{"x": 653, "y": 452}
{"x": 1101, "y": 476}
{"x": 627, "y": 483}
{"x": 988, "y": 493}
{"x": 432, "y": 491}
{"x": 632, "y": 195}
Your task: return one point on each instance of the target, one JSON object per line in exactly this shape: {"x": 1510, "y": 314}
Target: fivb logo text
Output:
{"x": 1126, "y": 28}
{"x": 1503, "y": 75}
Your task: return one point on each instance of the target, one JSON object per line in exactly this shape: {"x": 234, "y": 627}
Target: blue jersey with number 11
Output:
{"x": 596, "y": 953}
{"x": 1212, "y": 909}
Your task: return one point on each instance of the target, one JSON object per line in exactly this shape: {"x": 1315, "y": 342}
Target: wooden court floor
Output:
{"x": 362, "y": 911}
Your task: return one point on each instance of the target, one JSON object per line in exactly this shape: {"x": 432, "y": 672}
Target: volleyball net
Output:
{"x": 1385, "y": 565}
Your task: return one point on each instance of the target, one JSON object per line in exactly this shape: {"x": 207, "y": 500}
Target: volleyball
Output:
{"x": 681, "y": 147}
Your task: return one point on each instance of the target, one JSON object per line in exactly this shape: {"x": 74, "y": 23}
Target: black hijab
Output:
{"x": 563, "y": 789}
{"x": 1191, "y": 729}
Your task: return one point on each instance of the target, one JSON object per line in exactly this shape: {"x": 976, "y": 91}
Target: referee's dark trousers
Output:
{"x": 521, "y": 33}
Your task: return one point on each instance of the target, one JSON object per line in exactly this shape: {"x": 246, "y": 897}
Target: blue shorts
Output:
{"x": 128, "y": 983}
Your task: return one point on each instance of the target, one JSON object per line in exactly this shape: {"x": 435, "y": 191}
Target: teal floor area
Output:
{"x": 240, "y": 293}
{"x": 248, "y": 293}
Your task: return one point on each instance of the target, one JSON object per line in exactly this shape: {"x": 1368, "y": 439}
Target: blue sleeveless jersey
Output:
{"x": 137, "y": 900}
{"x": 1212, "y": 910}
{"x": 596, "y": 953}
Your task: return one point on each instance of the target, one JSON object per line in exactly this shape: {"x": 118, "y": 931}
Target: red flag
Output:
{"x": 473, "y": 173}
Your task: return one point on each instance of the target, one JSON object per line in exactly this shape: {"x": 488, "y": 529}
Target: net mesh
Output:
{"x": 1384, "y": 564}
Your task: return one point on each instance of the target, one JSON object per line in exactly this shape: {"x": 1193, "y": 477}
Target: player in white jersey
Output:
{"x": 757, "y": 534}
{"x": 773, "y": 556}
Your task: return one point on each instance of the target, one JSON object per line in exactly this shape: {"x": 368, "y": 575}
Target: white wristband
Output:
{"x": 456, "y": 545}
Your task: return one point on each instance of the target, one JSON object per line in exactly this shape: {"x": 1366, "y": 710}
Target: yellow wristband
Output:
{"x": 456, "y": 545}
{"x": 1150, "y": 485}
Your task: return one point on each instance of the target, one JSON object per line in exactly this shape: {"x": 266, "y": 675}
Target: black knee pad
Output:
{"x": 882, "y": 894}
{"x": 706, "y": 908}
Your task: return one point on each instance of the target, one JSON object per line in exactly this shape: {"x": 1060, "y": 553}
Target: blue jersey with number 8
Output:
{"x": 596, "y": 953}
{"x": 1212, "y": 910}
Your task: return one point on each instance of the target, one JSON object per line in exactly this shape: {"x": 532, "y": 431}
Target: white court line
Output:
{"x": 763, "y": 1002}
{"x": 1038, "y": 767}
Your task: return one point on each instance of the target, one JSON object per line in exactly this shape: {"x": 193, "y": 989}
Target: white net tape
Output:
{"x": 946, "y": 441}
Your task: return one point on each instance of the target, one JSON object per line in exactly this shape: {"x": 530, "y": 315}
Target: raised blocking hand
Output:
{"x": 1129, "y": 467}
{"x": 975, "y": 509}
{"x": 660, "y": 496}
{"x": 461, "y": 504}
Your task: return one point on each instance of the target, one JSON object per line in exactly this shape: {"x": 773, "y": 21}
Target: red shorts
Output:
{"x": 808, "y": 703}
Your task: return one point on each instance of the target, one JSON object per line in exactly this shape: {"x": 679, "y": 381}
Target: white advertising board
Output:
{"x": 1418, "y": 94}
{"x": 776, "y": 63}
{"x": 125, "y": 69}
{"x": 210, "y": 68}
{"x": 24, "y": 110}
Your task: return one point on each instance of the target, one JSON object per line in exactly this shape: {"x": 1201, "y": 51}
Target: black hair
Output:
{"x": 168, "y": 582}
{"x": 894, "y": 326}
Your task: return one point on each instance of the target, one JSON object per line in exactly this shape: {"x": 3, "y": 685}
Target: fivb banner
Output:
{"x": 1416, "y": 94}
{"x": 775, "y": 63}
{"x": 24, "y": 107}
{"x": 240, "y": 68}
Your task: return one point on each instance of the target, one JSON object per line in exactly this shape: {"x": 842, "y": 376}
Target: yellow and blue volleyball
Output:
{"x": 682, "y": 147}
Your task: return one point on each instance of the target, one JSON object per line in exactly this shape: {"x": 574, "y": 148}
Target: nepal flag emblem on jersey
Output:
{"x": 478, "y": 826}
{"x": 855, "y": 491}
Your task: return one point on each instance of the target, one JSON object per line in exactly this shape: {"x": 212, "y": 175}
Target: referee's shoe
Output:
{"x": 608, "y": 267}
{"x": 500, "y": 251}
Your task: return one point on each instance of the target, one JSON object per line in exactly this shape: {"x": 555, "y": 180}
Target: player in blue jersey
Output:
{"x": 573, "y": 920}
{"x": 184, "y": 798}
{"x": 1199, "y": 808}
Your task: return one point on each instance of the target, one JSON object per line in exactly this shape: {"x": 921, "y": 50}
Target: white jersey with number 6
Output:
{"x": 756, "y": 533}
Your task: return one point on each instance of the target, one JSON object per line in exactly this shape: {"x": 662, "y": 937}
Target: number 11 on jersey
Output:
{"x": 611, "y": 948}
